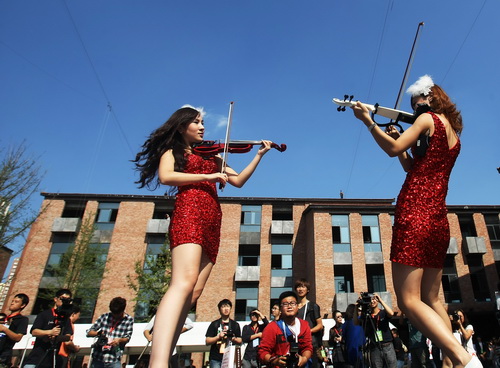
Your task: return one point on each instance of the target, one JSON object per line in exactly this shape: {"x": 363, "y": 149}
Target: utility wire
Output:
{"x": 101, "y": 85}
{"x": 465, "y": 39}
{"x": 355, "y": 156}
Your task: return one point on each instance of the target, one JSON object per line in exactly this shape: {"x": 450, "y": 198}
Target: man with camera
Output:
{"x": 113, "y": 330}
{"x": 13, "y": 328}
{"x": 252, "y": 333}
{"x": 287, "y": 342}
{"x": 51, "y": 328}
{"x": 221, "y": 333}
{"x": 376, "y": 325}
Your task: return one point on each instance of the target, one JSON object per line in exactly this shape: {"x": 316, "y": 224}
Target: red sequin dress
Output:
{"x": 421, "y": 234}
{"x": 197, "y": 214}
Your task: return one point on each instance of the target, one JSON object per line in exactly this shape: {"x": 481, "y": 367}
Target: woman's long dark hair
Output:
{"x": 166, "y": 137}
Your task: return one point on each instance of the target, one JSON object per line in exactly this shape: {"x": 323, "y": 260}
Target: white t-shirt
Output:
{"x": 469, "y": 346}
{"x": 188, "y": 324}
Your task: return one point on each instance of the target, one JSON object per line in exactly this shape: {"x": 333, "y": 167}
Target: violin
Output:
{"x": 209, "y": 148}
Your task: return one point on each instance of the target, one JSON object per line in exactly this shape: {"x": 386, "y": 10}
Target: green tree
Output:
{"x": 80, "y": 269}
{"x": 20, "y": 178}
{"x": 151, "y": 280}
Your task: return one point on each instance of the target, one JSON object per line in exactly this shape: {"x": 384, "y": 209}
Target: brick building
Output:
{"x": 340, "y": 245}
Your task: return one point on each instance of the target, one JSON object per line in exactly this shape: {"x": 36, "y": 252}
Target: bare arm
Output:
{"x": 388, "y": 144}
{"x": 169, "y": 176}
{"x": 238, "y": 180}
{"x": 49, "y": 333}
{"x": 388, "y": 309}
{"x": 14, "y": 336}
{"x": 405, "y": 159}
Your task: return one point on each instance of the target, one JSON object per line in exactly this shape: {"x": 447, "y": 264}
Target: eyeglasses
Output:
{"x": 291, "y": 304}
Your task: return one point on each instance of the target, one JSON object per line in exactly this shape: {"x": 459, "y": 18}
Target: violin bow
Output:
{"x": 405, "y": 78}
{"x": 226, "y": 141}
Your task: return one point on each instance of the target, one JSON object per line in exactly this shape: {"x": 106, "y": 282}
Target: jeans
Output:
{"x": 385, "y": 356}
{"x": 99, "y": 364}
{"x": 215, "y": 363}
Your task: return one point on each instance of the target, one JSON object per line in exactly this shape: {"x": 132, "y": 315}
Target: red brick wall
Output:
{"x": 322, "y": 284}
{"x": 488, "y": 259}
{"x": 126, "y": 248}
{"x": 265, "y": 260}
{"x": 35, "y": 254}
{"x": 220, "y": 284}
{"x": 358, "y": 253}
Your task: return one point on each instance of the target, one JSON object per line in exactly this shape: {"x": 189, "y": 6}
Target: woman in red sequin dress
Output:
{"x": 167, "y": 158}
{"x": 421, "y": 232}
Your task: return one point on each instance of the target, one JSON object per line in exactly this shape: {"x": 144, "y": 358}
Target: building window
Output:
{"x": 281, "y": 269}
{"x": 478, "y": 278}
{"x": 467, "y": 226}
{"x": 56, "y": 263}
{"x": 451, "y": 287}
{"x": 162, "y": 213}
{"x": 250, "y": 218}
{"x": 284, "y": 213}
{"x": 493, "y": 226}
{"x": 343, "y": 279}
{"x": 249, "y": 255}
{"x": 154, "y": 260}
{"x": 106, "y": 216}
{"x": 73, "y": 209}
{"x": 375, "y": 277}
{"x": 61, "y": 266}
{"x": 371, "y": 233}
{"x": 281, "y": 257}
{"x": 247, "y": 295}
{"x": 340, "y": 233}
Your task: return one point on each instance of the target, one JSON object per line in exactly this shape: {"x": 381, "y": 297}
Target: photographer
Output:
{"x": 221, "y": 333}
{"x": 287, "y": 342}
{"x": 377, "y": 330}
{"x": 51, "y": 328}
{"x": 252, "y": 333}
{"x": 462, "y": 330}
{"x": 113, "y": 330}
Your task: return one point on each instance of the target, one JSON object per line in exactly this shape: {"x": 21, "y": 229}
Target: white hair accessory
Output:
{"x": 199, "y": 109}
{"x": 421, "y": 87}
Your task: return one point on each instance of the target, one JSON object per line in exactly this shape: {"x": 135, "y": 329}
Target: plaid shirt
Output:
{"x": 112, "y": 329}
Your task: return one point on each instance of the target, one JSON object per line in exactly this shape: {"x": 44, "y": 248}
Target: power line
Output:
{"x": 463, "y": 42}
{"x": 389, "y": 7}
{"x": 101, "y": 85}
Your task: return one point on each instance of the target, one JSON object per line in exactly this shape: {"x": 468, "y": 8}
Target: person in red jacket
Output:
{"x": 287, "y": 342}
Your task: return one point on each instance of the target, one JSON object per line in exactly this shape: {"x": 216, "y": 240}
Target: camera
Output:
{"x": 101, "y": 343}
{"x": 455, "y": 317}
{"x": 65, "y": 309}
{"x": 292, "y": 359}
{"x": 366, "y": 298}
{"x": 229, "y": 334}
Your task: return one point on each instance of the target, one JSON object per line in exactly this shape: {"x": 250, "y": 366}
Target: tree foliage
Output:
{"x": 151, "y": 280}
{"x": 20, "y": 178}
{"x": 80, "y": 269}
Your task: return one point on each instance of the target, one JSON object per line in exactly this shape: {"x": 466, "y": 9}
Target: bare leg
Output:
{"x": 431, "y": 282}
{"x": 175, "y": 304}
{"x": 408, "y": 286}
{"x": 205, "y": 269}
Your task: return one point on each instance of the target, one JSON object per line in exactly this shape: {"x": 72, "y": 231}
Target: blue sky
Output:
{"x": 282, "y": 62}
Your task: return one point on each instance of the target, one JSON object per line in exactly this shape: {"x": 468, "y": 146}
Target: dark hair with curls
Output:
{"x": 166, "y": 137}
{"x": 441, "y": 104}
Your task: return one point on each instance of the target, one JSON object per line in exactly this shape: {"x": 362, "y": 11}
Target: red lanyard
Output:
{"x": 114, "y": 325}
{"x": 12, "y": 315}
